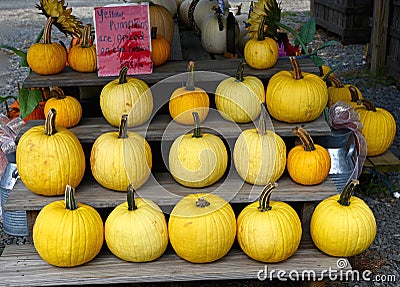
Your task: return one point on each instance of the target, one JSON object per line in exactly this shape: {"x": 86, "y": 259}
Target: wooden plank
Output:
{"x": 163, "y": 128}
{"x": 68, "y": 77}
{"x": 22, "y": 266}
{"x": 166, "y": 192}
{"x": 379, "y": 35}
{"x": 386, "y": 162}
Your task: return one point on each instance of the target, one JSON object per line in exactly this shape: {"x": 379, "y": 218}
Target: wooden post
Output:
{"x": 379, "y": 35}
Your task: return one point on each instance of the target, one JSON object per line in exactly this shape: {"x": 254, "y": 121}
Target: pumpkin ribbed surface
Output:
{"x": 67, "y": 238}
{"x": 202, "y": 227}
{"x": 137, "y": 235}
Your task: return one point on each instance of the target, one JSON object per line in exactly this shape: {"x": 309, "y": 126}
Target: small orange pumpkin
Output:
{"x": 186, "y": 100}
{"x": 160, "y": 48}
{"x": 82, "y": 57}
{"x": 308, "y": 164}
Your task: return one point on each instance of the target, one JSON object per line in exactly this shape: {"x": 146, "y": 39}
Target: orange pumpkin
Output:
{"x": 160, "y": 48}
{"x": 82, "y": 57}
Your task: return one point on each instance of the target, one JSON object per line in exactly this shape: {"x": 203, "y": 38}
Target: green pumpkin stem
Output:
{"x": 190, "y": 77}
{"x": 368, "y": 105}
{"x": 57, "y": 92}
{"x": 153, "y": 33}
{"x": 305, "y": 138}
{"x": 86, "y": 36}
{"x": 335, "y": 81}
{"x": 122, "y": 75}
{"x": 265, "y": 197}
{"x": 122, "y": 132}
{"x": 70, "y": 201}
{"x": 260, "y": 32}
{"x": 50, "y": 123}
{"x": 47, "y": 31}
{"x": 202, "y": 202}
{"x": 354, "y": 94}
{"x": 197, "y": 127}
{"x": 239, "y": 72}
{"x": 348, "y": 192}
{"x": 296, "y": 68}
{"x": 262, "y": 122}
{"x": 130, "y": 195}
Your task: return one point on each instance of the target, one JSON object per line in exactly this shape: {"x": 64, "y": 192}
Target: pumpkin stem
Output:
{"x": 348, "y": 192}
{"x": 122, "y": 75}
{"x": 260, "y": 34}
{"x": 239, "y": 9}
{"x": 190, "y": 77}
{"x": 368, "y": 105}
{"x": 265, "y": 197}
{"x": 202, "y": 202}
{"x": 130, "y": 195}
{"x": 57, "y": 92}
{"x": 239, "y": 71}
{"x": 336, "y": 81}
{"x": 305, "y": 138}
{"x": 197, "y": 127}
{"x": 262, "y": 122}
{"x": 70, "y": 201}
{"x": 49, "y": 124}
{"x": 47, "y": 31}
{"x": 122, "y": 132}
{"x": 153, "y": 33}
{"x": 296, "y": 68}
{"x": 354, "y": 94}
{"x": 86, "y": 36}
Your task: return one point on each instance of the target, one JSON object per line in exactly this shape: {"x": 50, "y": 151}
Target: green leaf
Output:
{"x": 4, "y": 98}
{"x": 28, "y": 101}
{"x": 307, "y": 31}
{"x": 39, "y": 36}
{"x": 317, "y": 60}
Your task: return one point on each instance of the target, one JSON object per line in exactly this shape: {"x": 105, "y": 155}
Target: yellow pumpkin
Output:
{"x": 343, "y": 225}
{"x": 296, "y": 97}
{"x": 82, "y": 57}
{"x": 269, "y": 231}
{"x": 69, "y": 109}
{"x": 136, "y": 230}
{"x": 309, "y": 163}
{"x": 202, "y": 227}
{"x": 118, "y": 159}
{"x": 238, "y": 98}
{"x": 197, "y": 160}
{"x": 378, "y": 127}
{"x": 67, "y": 233}
{"x": 186, "y": 100}
{"x": 47, "y": 58}
{"x": 259, "y": 154}
{"x": 49, "y": 158}
{"x": 339, "y": 92}
{"x": 261, "y": 52}
{"x": 126, "y": 96}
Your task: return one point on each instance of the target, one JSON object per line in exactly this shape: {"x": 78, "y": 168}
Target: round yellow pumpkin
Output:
{"x": 118, "y": 159}
{"x": 202, "y": 227}
{"x": 82, "y": 57}
{"x": 49, "y": 158}
{"x": 269, "y": 231}
{"x": 342, "y": 92}
{"x": 136, "y": 230}
{"x": 67, "y": 233}
{"x": 126, "y": 96}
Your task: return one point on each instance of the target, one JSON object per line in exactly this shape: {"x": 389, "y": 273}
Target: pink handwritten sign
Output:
{"x": 123, "y": 39}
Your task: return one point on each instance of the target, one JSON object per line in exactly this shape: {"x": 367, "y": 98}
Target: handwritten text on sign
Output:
{"x": 123, "y": 39}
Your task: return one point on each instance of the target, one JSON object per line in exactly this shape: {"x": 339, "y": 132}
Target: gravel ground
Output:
{"x": 21, "y": 23}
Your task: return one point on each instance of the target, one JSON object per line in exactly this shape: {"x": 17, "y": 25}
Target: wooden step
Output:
{"x": 162, "y": 127}
{"x": 22, "y": 266}
{"x": 166, "y": 192}
{"x": 386, "y": 162}
{"x": 228, "y": 67}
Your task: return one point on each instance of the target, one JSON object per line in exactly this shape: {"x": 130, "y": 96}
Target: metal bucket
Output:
{"x": 14, "y": 222}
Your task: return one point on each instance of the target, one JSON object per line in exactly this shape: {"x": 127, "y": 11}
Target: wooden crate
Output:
{"x": 348, "y": 19}
{"x": 393, "y": 42}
